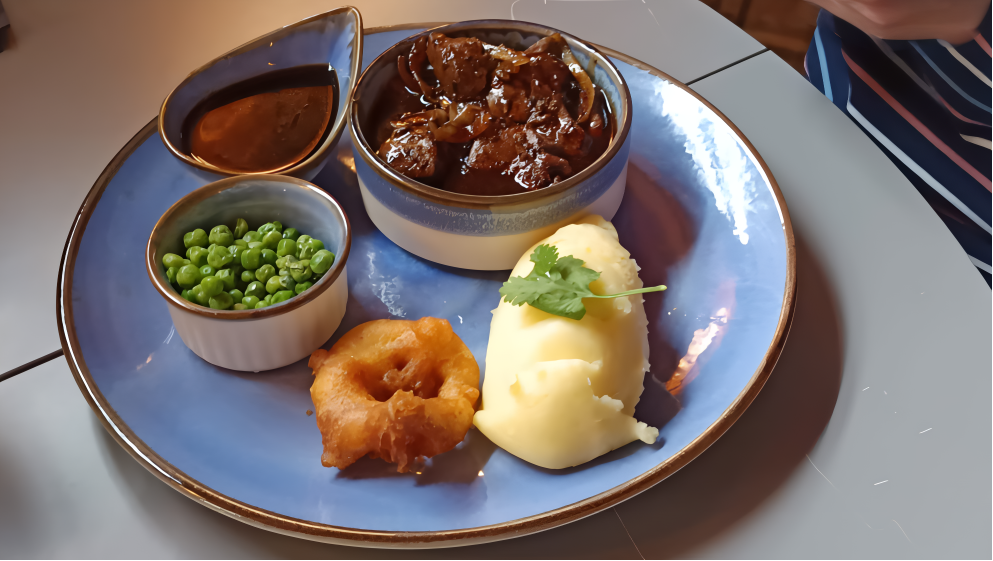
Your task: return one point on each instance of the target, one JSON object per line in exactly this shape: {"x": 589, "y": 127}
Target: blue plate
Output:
{"x": 702, "y": 214}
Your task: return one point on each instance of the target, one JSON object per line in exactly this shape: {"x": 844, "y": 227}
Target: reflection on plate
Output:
{"x": 701, "y": 215}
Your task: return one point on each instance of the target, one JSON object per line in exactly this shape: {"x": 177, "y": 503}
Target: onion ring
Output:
{"x": 394, "y": 389}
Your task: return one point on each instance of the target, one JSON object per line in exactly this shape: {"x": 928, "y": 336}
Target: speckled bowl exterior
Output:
{"x": 486, "y": 232}
{"x": 334, "y": 38}
{"x": 264, "y": 338}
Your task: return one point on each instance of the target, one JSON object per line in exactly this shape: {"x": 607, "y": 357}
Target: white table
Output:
{"x": 888, "y": 302}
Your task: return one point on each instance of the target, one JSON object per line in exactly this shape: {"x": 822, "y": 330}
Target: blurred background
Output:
{"x": 785, "y": 26}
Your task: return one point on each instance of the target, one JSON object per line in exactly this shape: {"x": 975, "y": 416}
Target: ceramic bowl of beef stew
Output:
{"x": 475, "y": 140}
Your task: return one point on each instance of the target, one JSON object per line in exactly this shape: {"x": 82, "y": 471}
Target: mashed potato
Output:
{"x": 559, "y": 392}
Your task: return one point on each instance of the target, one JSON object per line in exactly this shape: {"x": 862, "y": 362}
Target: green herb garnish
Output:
{"x": 558, "y": 285}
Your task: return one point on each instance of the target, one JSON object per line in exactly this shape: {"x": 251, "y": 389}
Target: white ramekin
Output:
{"x": 270, "y": 337}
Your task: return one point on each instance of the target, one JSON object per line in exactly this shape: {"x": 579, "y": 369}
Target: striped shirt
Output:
{"x": 926, "y": 104}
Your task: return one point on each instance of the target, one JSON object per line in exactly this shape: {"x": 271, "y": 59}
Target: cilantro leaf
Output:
{"x": 558, "y": 285}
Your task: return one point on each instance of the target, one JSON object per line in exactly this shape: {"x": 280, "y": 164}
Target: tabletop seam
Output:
{"x": 32, "y": 364}
{"x": 725, "y": 67}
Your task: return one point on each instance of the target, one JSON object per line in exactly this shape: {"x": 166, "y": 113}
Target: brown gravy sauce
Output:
{"x": 265, "y": 123}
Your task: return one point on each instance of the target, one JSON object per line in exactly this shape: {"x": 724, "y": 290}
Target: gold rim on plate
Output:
{"x": 405, "y": 540}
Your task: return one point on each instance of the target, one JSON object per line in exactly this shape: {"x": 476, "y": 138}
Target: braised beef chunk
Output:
{"x": 497, "y": 150}
{"x": 510, "y": 99}
{"x": 486, "y": 119}
{"x": 547, "y": 76}
{"x": 556, "y": 132}
{"x": 411, "y": 151}
{"x": 540, "y": 170}
{"x": 461, "y": 65}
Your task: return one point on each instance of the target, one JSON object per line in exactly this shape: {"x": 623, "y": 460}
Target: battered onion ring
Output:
{"x": 394, "y": 389}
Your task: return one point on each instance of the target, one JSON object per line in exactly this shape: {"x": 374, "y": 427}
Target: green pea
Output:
{"x": 285, "y": 260}
{"x": 301, "y": 286}
{"x": 207, "y": 271}
{"x": 261, "y": 304}
{"x": 251, "y": 258}
{"x": 272, "y": 286}
{"x": 171, "y": 274}
{"x": 197, "y": 255}
{"x": 240, "y": 227}
{"x": 210, "y": 247}
{"x": 187, "y": 295}
{"x": 247, "y": 276}
{"x": 282, "y": 296}
{"x": 252, "y": 236}
{"x": 221, "y": 235}
{"x": 316, "y": 244}
{"x": 241, "y": 243}
{"x": 196, "y": 237}
{"x": 286, "y": 282}
{"x": 255, "y": 245}
{"x": 250, "y": 301}
{"x": 198, "y": 296}
{"x": 321, "y": 261}
{"x": 286, "y": 246}
{"x": 236, "y": 250}
{"x": 185, "y": 262}
{"x": 267, "y": 299}
{"x": 237, "y": 295}
{"x": 221, "y": 301}
{"x": 211, "y": 285}
{"x": 263, "y": 273}
{"x": 255, "y": 289}
{"x": 172, "y": 260}
{"x": 269, "y": 256}
{"x": 291, "y": 234}
{"x": 236, "y": 269}
{"x": 271, "y": 240}
{"x": 274, "y": 226}
{"x": 227, "y": 278}
{"x": 219, "y": 257}
{"x": 300, "y": 272}
{"x": 303, "y": 239}
{"x": 188, "y": 276}
{"x": 239, "y": 306}
{"x": 305, "y": 251}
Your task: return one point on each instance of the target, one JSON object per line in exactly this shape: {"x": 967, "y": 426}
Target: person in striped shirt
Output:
{"x": 915, "y": 76}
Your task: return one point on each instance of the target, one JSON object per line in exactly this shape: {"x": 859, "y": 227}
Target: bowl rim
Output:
{"x": 199, "y": 195}
{"x": 306, "y": 529}
{"x": 448, "y": 198}
{"x": 315, "y": 157}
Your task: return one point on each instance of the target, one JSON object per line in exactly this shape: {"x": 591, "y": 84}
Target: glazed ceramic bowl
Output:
{"x": 333, "y": 38}
{"x": 264, "y": 338}
{"x": 485, "y": 232}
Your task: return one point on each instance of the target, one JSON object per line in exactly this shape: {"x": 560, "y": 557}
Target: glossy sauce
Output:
{"x": 266, "y": 123}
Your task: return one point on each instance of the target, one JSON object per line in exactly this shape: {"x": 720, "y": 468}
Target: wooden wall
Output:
{"x": 785, "y": 26}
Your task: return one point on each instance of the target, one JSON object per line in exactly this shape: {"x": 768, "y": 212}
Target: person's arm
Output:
{"x": 954, "y": 21}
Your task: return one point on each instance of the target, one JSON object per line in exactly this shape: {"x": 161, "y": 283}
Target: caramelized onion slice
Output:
{"x": 507, "y": 54}
{"x": 470, "y": 122}
{"x": 420, "y": 118}
{"x": 589, "y": 93}
{"x": 417, "y": 61}
{"x": 403, "y": 67}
